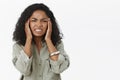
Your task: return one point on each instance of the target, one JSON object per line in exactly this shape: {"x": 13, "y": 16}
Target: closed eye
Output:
{"x": 44, "y": 20}
{"x": 33, "y": 19}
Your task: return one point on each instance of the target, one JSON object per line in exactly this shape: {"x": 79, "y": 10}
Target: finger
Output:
{"x": 27, "y": 23}
{"x": 49, "y": 26}
{"x": 48, "y": 19}
{"x": 49, "y": 22}
{"x": 27, "y": 26}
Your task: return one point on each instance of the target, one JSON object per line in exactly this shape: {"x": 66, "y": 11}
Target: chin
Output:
{"x": 38, "y": 35}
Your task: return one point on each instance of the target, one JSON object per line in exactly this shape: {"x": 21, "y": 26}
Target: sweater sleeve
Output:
{"x": 20, "y": 60}
{"x": 63, "y": 60}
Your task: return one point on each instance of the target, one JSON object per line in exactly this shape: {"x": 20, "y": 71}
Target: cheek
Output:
{"x": 45, "y": 27}
{"x": 31, "y": 27}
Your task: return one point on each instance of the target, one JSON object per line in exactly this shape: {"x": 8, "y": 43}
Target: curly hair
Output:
{"x": 19, "y": 34}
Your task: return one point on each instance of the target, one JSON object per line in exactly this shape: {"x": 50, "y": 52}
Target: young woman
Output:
{"x": 38, "y": 52}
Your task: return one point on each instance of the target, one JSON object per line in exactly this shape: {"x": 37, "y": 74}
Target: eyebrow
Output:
{"x": 41, "y": 19}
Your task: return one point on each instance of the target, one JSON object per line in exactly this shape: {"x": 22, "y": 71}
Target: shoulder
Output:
{"x": 60, "y": 44}
{"x": 17, "y": 46}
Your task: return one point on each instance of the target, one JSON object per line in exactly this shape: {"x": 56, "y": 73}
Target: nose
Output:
{"x": 39, "y": 23}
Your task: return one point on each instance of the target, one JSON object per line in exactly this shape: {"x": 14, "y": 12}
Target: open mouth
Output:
{"x": 38, "y": 30}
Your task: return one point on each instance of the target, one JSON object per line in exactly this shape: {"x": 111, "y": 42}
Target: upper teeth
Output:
{"x": 38, "y": 30}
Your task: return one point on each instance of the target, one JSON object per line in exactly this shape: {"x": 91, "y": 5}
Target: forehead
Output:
{"x": 39, "y": 14}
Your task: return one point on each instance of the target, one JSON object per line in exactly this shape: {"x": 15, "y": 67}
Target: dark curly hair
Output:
{"x": 19, "y": 34}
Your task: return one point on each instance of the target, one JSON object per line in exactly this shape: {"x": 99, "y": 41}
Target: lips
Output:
{"x": 38, "y": 30}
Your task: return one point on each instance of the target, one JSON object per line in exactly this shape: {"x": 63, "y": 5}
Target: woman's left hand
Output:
{"x": 49, "y": 30}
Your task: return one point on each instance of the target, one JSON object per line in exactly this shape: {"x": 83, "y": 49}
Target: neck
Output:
{"x": 38, "y": 41}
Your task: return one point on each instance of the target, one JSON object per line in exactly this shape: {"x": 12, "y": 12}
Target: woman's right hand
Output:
{"x": 27, "y": 30}
{"x": 27, "y": 47}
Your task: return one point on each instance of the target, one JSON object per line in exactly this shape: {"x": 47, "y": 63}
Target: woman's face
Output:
{"x": 38, "y": 23}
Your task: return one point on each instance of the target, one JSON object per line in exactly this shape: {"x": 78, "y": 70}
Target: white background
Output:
{"x": 91, "y": 37}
